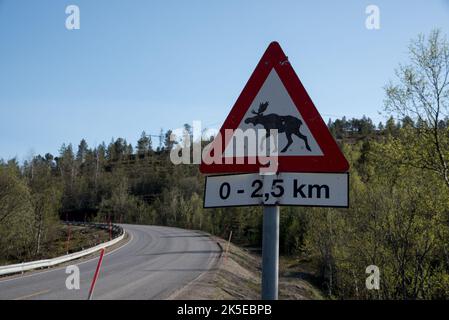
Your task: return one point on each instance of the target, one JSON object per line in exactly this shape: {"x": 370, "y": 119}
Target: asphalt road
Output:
{"x": 153, "y": 264}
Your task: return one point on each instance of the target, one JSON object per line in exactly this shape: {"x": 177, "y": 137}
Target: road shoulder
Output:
{"x": 237, "y": 276}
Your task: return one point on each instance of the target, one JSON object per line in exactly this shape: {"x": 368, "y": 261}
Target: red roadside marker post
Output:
{"x": 94, "y": 280}
{"x": 303, "y": 167}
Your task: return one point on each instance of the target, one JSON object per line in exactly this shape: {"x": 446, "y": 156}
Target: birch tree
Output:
{"x": 422, "y": 94}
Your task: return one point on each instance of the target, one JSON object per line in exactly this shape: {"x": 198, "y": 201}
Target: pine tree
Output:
{"x": 82, "y": 151}
{"x": 143, "y": 144}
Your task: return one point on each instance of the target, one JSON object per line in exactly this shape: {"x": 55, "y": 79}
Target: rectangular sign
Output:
{"x": 295, "y": 189}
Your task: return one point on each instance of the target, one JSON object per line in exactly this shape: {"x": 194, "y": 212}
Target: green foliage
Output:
{"x": 29, "y": 204}
{"x": 420, "y": 97}
{"x": 122, "y": 206}
{"x": 16, "y": 218}
{"x": 343, "y": 128}
{"x": 397, "y": 220}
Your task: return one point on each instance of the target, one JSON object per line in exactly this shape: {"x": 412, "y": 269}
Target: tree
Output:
{"x": 423, "y": 95}
{"x": 82, "y": 151}
{"x": 365, "y": 126}
{"x": 143, "y": 144}
{"x": 66, "y": 163}
{"x": 122, "y": 206}
{"x": 68, "y": 169}
{"x": 380, "y": 126}
{"x": 46, "y": 201}
{"x": 16, "y": 215}
{"x": 168, "y": 141}
{"x": 390, "y": 127}
{"x": 407, "y": 122}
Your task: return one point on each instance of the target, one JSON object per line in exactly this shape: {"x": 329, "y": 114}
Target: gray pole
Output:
{"x": 270, "y": 253}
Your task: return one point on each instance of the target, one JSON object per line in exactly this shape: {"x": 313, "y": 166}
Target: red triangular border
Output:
{"x": 332, "y": 159}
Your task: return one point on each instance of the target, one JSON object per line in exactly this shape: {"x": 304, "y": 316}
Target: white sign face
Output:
{"x": 280, "y": 104}
{"x": 296, "y": 189}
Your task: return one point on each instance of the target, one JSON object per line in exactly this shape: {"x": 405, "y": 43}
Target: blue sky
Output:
{"x": 146, "y": 65}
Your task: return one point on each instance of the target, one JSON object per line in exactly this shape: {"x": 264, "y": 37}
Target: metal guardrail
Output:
{"x": 118, "y": 231}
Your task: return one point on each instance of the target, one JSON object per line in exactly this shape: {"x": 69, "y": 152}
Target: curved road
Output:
{"x": 154, "y": 263}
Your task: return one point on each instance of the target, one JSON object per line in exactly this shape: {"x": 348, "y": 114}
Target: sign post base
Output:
{"x": 270, "y": 253}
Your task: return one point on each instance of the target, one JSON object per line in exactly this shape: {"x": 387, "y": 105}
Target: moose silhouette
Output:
{"x": 284, "y": 124}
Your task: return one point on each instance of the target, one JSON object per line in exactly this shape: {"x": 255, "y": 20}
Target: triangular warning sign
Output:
{"x": 275, "y": 99}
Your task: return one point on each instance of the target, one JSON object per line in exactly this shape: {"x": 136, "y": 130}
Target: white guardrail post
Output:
{"x": 25, "y": 266}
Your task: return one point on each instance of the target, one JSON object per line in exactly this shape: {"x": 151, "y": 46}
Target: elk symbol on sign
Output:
{"x": 287, "y": 124}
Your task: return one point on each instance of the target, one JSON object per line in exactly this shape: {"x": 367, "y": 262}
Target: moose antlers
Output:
{"x": 262, "y": 107}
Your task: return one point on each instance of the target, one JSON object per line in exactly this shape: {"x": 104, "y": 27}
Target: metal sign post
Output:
{"x": 270, "y": 253}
